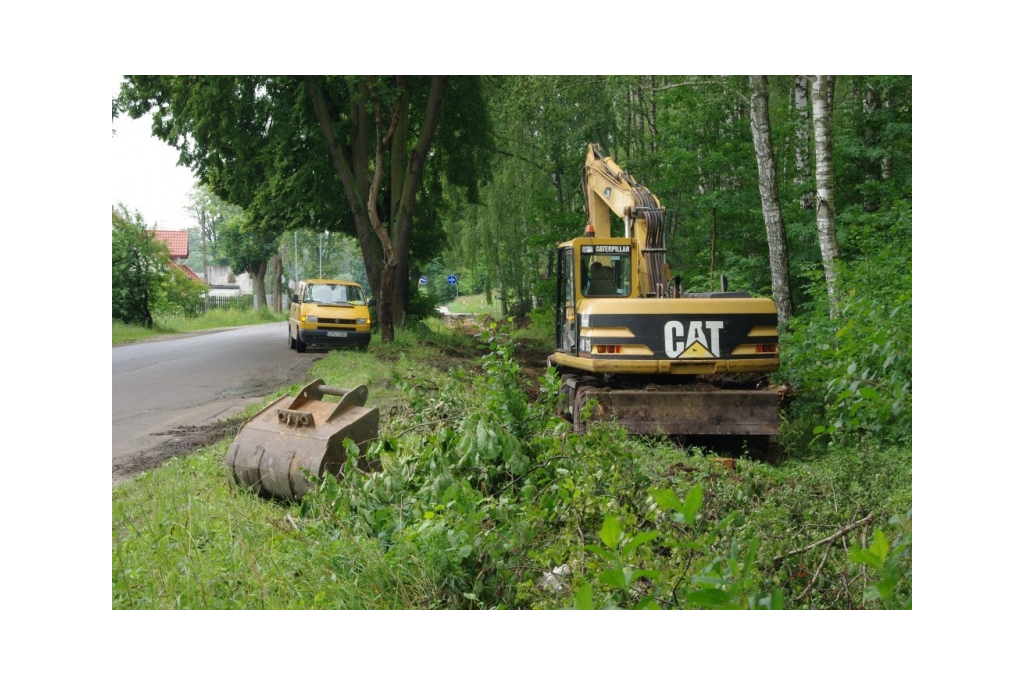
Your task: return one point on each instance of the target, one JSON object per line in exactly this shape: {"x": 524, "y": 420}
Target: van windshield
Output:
{"x": 334, "y": 293}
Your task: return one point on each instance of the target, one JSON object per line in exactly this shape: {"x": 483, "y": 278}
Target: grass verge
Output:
{"x": 172, "y": 325}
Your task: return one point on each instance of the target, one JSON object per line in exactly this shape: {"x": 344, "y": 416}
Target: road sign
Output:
{"x": 452, "y": 280}
{"x": 423, "y": 280}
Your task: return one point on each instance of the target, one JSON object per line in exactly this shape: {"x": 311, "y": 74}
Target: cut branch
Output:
{"x": 830, "y": 539}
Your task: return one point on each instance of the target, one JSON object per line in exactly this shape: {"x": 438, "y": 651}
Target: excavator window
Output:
{"x": 566, "y": 314}
{"x": 605, "y": 276}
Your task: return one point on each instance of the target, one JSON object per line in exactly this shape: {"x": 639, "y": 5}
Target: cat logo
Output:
{"x": 697, "y": 340}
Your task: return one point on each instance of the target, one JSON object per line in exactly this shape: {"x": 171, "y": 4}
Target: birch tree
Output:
{"x": 822, "y": 98}
{"x": 803, "y": 138}
{"x": 768, "y": 186}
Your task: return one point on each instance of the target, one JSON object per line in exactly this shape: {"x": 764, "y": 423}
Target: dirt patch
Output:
{"x": 182, "y": 440}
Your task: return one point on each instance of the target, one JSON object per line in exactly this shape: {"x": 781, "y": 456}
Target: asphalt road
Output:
{"x": 168, "y": 388}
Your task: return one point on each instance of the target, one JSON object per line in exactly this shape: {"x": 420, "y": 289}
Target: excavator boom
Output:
{"x": 607, "y": 188}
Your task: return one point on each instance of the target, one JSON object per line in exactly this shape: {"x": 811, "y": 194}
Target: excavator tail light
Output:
{"x": 608, "y": 349}
{"x": 767, "y": 348}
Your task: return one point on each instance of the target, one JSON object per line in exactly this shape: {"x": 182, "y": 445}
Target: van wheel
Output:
{"x": 291, "y": 340}
{"x": 299, "y": 345}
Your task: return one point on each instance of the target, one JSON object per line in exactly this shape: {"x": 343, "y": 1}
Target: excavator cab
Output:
{"x": 590, "y": 268}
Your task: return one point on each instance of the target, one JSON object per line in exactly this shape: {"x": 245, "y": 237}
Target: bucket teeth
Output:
{"x": 294, "y": 418}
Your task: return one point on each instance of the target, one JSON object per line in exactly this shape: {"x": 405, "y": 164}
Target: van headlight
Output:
{"x": 311, "y": 319}
{"x": 360, "y": 322}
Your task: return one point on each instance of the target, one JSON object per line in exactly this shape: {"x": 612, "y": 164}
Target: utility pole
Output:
{"x": 206, "y": 269}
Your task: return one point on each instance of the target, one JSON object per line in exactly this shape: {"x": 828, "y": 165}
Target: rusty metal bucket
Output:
{"x": 304, "y": 433}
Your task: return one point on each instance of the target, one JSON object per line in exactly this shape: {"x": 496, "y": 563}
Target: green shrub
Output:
{"x": 179, "y": 295}
{"x": 853, "y": 376}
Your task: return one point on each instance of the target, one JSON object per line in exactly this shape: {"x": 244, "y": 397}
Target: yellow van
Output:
{"x": 328, "y": 313}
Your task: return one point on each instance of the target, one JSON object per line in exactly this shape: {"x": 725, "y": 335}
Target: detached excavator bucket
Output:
{"x": 305, "y": 433}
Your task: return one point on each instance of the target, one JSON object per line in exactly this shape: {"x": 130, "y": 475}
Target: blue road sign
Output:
{"x": 423, "y": 280}
{"x": 452, "y": 280}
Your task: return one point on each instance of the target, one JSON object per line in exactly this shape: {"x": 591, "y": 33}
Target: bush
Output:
{"x": 179, "y": 295}
{"x": 422, "y": 306}
{"x": 852, "y": 377}
{"x": 139, "y": 268}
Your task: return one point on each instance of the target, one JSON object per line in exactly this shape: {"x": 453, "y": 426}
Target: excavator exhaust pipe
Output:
{"x": 275, "y": 449}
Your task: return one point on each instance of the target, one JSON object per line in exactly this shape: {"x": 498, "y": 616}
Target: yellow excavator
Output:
{"x": 652, "y": 357}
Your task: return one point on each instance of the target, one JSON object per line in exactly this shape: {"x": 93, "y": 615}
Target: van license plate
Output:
{"x": 337, "y": 334}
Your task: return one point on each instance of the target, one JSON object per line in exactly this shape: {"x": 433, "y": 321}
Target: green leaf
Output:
{"x": 886, "y": 587}
{"x": 709, "y": 581}
{"x": 694, "y": 500}
{"x": 709, "y": 598}
{"x": 613, "y": 577}
{"x": 865, "y": 556}
{"x": 768, "y": 600}
{"x": 647, "y": 602}
{"x": 638, "y": 540}
{"x": 585, "y": 597}
{"x": 601, "y": 552}
{"x": 611, "y": 532}
{"x": 667, "y": 499}
{"x": 880, "y": 545}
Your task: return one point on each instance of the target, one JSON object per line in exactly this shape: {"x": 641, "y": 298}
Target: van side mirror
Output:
{"x": 295, "y": 298}
{"x": 371, "y": 302}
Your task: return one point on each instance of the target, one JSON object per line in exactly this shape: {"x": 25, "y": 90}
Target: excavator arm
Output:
{"x": 607, "y": 189}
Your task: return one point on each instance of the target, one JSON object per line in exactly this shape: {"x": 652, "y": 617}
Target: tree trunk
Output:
{"x": 399, "y": 176}
{"x": 275, "y": 306}
{"x": 259, "y": 290}
{"x": 778, "y": 252}
{"x": 654, "y": 114}
{"x": 822, "y": 93}
{"x": 803, "y": 139}
{"x": 411, "y": 177}
{"x": 872, "y": 105}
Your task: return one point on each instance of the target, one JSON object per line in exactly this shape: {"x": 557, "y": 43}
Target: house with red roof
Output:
{"x": 223, "y": 282}
{"x": 177, "y": 243}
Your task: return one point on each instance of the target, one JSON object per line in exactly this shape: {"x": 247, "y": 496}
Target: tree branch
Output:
{"x": 831, "y": 538}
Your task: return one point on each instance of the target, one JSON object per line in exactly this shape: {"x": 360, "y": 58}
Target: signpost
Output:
{"x": 454, "y": 281}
